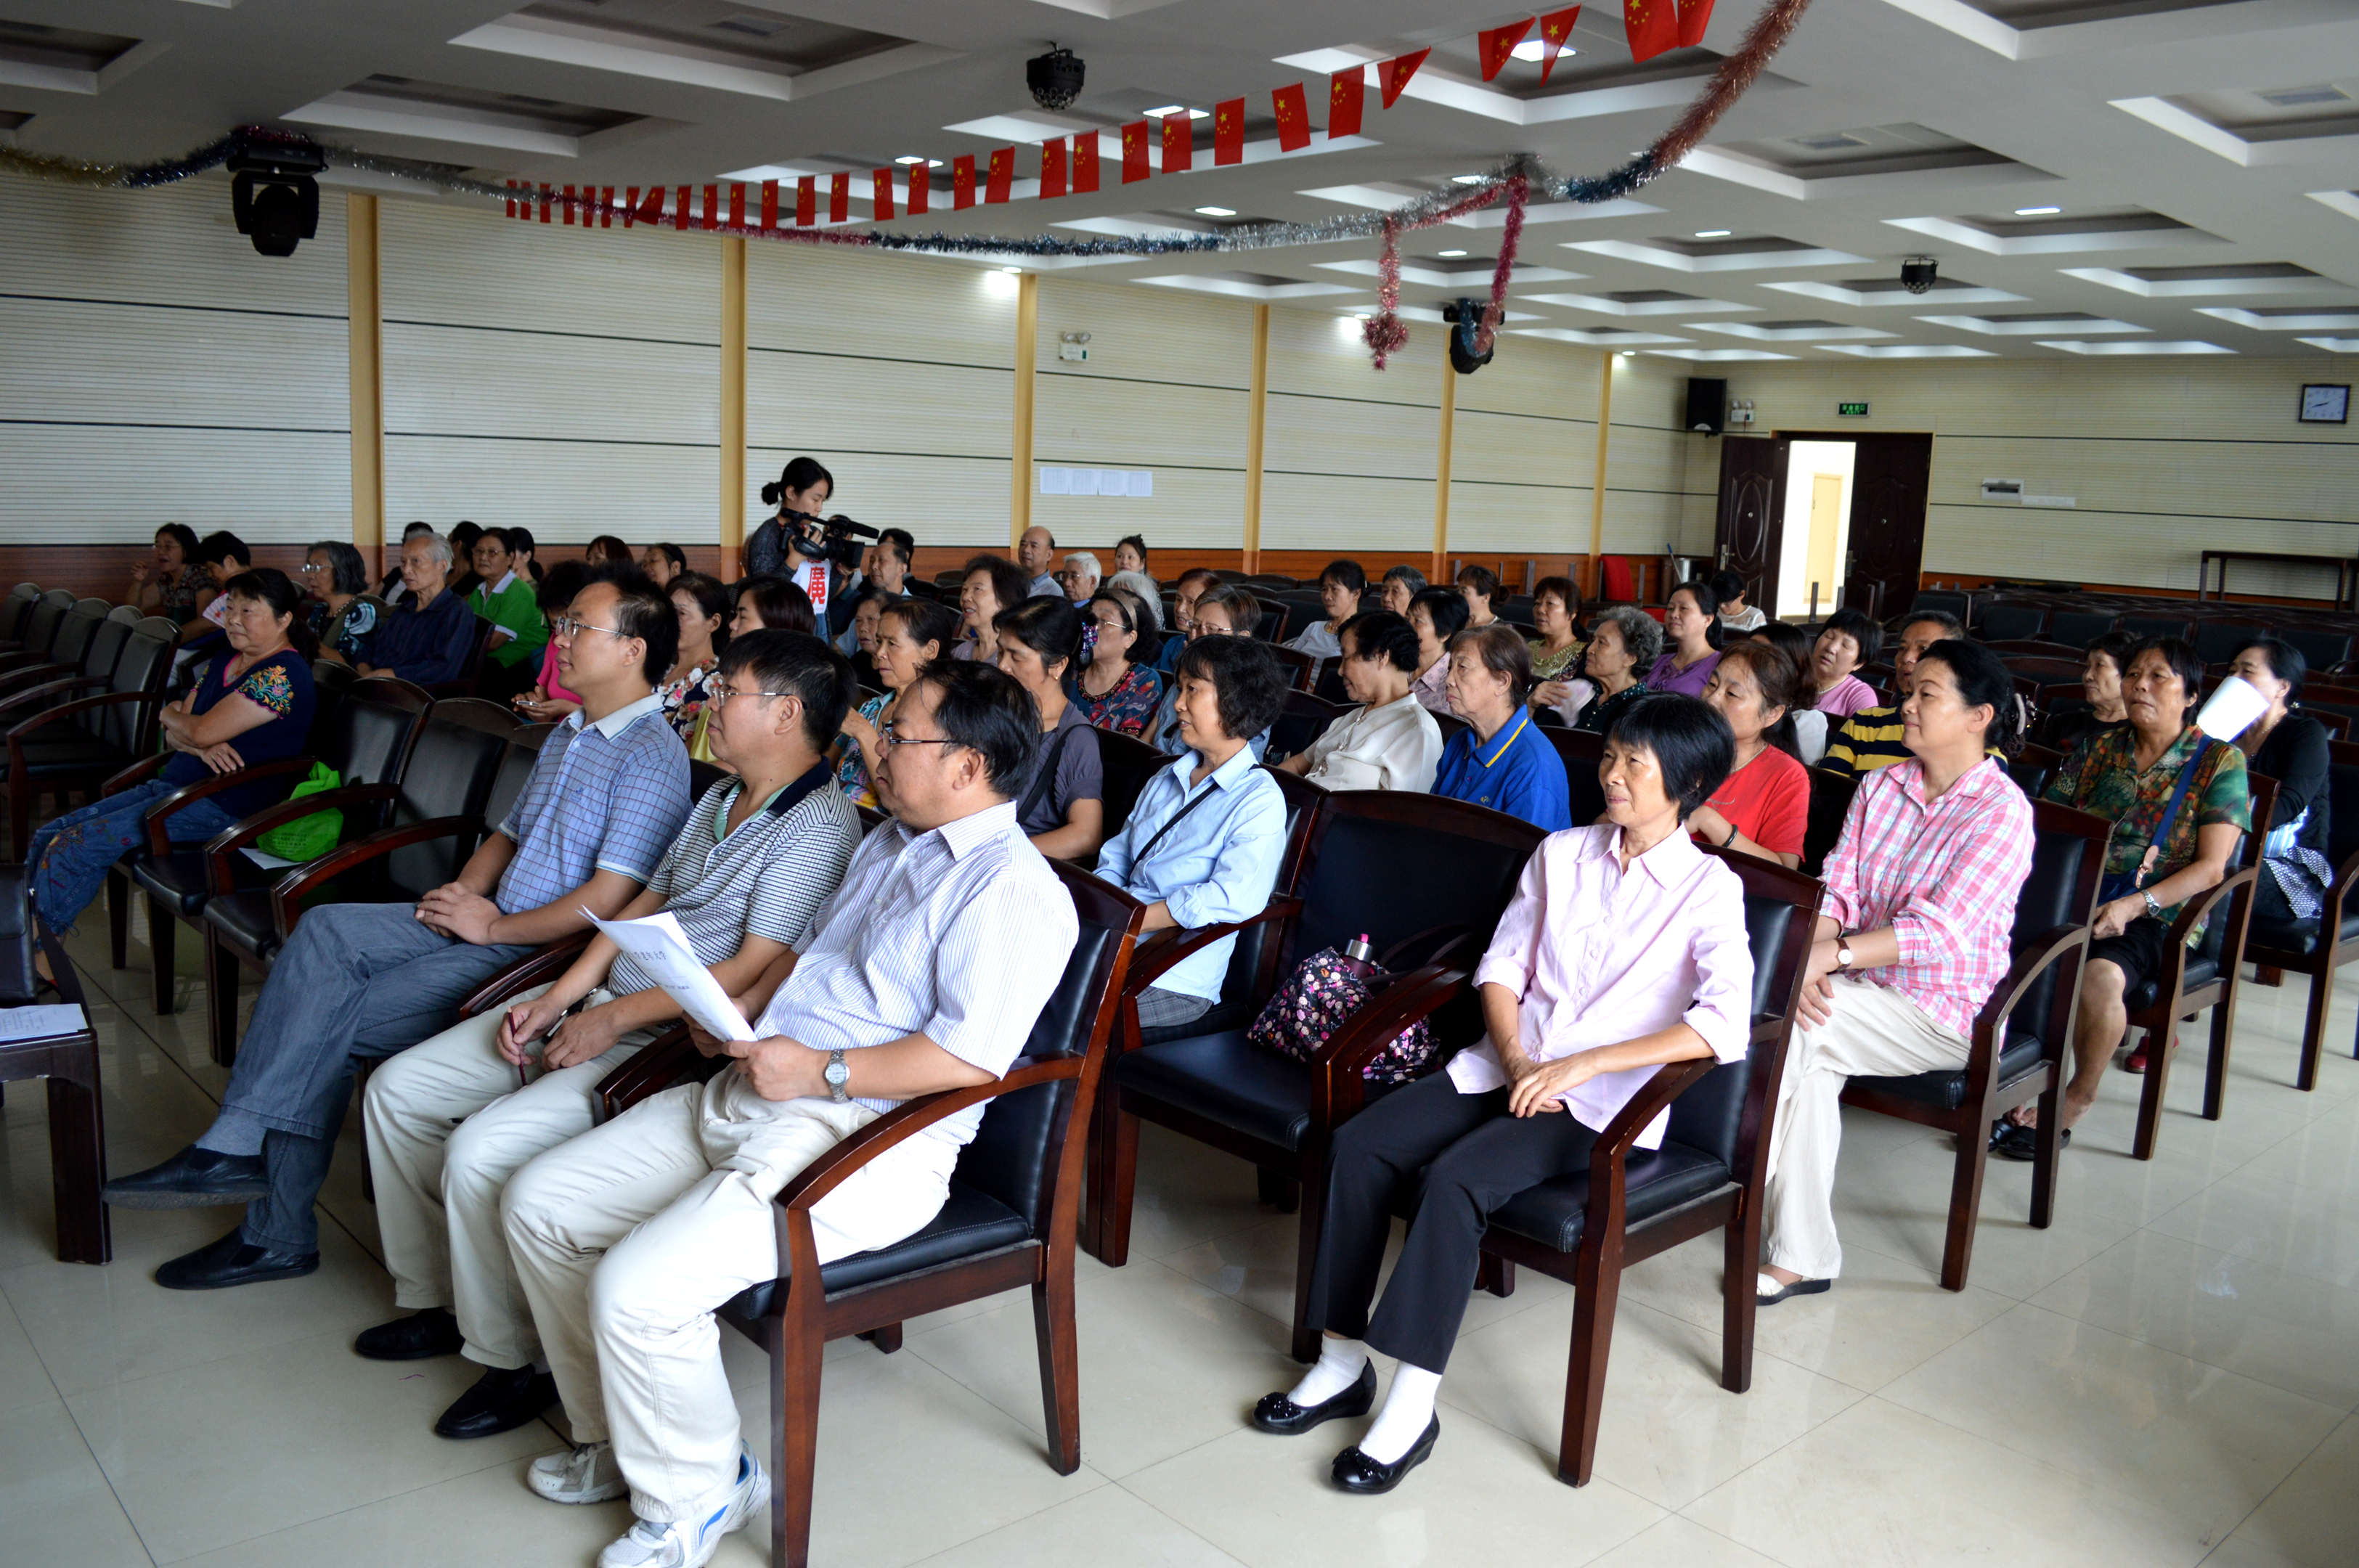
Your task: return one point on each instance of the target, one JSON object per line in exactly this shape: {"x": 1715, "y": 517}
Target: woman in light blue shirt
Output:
{"x": 1203, "y": 842}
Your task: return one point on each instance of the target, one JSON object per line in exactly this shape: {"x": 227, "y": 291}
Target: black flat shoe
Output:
{"x": 1799, "y": 1288}
{"x": 193, "y": 1178}
{"x": 1355, "y": 1472}
{"x": 1278, "y": 1413}
{"x": 500, "y": 1402}
{"x": 433, "y": 1332}
{"x": 2013, "y": 1141}
{"x": 231, "y": 1262}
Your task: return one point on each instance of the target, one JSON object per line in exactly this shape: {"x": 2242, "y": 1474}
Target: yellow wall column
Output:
{"x": 1597, "y": 479}
{"x": 1019, "y": 442}
{"x": 366, "y": 357}
{"x": 733, "y": 405}
{"x": 1441, "y": 572}
{"x": 1257, "y": 419}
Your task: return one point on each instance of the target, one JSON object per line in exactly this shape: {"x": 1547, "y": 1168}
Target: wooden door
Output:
{"x": 1750, "y": 526}
{"x": 1887, "y": 523}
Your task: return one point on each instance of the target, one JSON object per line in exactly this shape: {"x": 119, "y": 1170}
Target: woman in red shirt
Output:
{"x": 1764, "y": 806}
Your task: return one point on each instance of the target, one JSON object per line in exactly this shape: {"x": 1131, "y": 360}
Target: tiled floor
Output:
{"x": 2166, "y": 1376}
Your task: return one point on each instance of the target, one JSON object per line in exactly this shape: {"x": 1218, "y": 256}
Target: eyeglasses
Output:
{"x": 892, "y": 737}
{"x": 566, "y": 626}
{"x": 310, "y": 567}
{"x": 724, "y": 693}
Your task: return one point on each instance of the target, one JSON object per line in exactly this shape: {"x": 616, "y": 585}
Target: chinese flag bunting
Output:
{"x": 1229, "y": 131}
{"x": 1694, "y": 16}
{"x": 737, "y": 206}
{"x": 1347, "y": 91}
{"x": 1498, "y": 44}
{"x": 920, "y": 187}
{"x": 806, "y": 202}
{"x": 568, "y": 203}
{"x": 1398, "y": 71}
{"x": 1179, "y": 143}
{"x": 1085, "y": 163}
{"x": 511, "y": 198}
{"x": 1052, "y": 168}
{"x": 962, "y": 181}
{"x": 1653, "y": 25}
{"x": 650, "y": 209}
{"x": 1555, "y": 28}
{"x": 880, "y": 203}
{"x": 769, "y": 206}
{"x": 606, "y": 208}
{"x": 1000, "y": 176}
{"x": 679, "y": 208}
{"x": 712, "y": 206}
{"x": 1134, "y": 151}
{"x": 1293, "y": 107}
{"x": 839, "y": 198}
{"x": 544, "y": 204}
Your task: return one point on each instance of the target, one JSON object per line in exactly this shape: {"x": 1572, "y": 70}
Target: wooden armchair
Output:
{"x": 2319, "y": 946}
{"x": 77, "y": 1120}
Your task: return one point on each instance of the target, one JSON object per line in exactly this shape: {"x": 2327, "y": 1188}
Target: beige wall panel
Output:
{"x": 1326, "y": 435}
{"x": 564, "y": 493}
{"x": 865, "y": 306}
{"x": 1518, "y": 482}
{"x": 1195, "y": 509}
{"x": 1119, "y": 424}
{"x": 956, "y": 501}
{"x": 1163, "y": 335}
{"x": 127, "y": 364}
{"x": 1314, "y": 351}
{"x": 824, "y": 406}
{"x": 1533, "y": 377}
{"x": 111, "y": 485}
{"x": 173, "y": 244}
{"x": 467, "y": 266}
{"x": 1312, "y": 511}
{"x": 444, "y": 381}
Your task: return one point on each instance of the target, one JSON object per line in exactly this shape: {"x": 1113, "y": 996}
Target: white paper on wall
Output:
{"x": 1056, "y": 481}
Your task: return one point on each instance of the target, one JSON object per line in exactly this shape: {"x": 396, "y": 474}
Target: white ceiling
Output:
{"x": 2204, "y": 155}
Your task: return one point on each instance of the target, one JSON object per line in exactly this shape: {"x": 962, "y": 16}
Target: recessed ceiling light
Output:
{"x": 1218, "y": 212}
{"x": 1533, "y": 50}
{"x": 1171, "y": 109}
{"x": 1359, "y": 315}
{"x": 905, "y": 162}
{"x": 2037, "y": 211}
{"x": 1450, "y": 253}
{"x": 1467, "y": 179}
{"x": 1014, "y": 269}
{"x": 1627, "y": 353}
{"x": 1713, "y": 233}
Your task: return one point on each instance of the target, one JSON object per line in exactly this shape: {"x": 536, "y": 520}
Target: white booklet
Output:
{"x": 660, "y": 947}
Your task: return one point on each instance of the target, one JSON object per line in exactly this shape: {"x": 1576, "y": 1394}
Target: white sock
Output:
{"x": 1337, "y": 1368}
{"x": 1408, "y": 1411}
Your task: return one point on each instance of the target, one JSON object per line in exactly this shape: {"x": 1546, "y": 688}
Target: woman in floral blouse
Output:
{"x": 1112, "y": 692}
{"x": 343, "y": 623}
{"x": 913, "y": 633}
{"x": 703, "y": 606}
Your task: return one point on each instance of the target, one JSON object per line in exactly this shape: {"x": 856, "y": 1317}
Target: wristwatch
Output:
{"x": 837, "y": 1075}
{"x": 2152, "y": 908}
{"x": 1842, "y": 955}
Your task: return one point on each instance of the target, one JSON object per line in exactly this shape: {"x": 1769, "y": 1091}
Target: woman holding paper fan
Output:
{"x": 2289, "y": 747}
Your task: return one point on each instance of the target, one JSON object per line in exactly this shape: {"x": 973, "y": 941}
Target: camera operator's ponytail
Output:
{"x": 799, "y": 476}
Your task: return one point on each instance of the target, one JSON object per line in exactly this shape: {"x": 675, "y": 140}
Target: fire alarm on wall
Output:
{"x": 1073, "y": 346}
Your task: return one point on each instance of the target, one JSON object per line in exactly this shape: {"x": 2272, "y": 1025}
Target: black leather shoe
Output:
{"x": 193, "y": 1178}
{"x": 2013, "y": 1141}
{"x": 1355, "y": 1472}
{"x": 433, "y": 1332}
{"x": 1278, "y": 1413}
{"x": 500, "y": 1402}
{"x": 231, "y": 1262}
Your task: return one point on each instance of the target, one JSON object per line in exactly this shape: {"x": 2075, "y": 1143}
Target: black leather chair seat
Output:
{"x": 2202, "y": 970}
{"x": 1221, "y": 1016}
{"x": 81, "y": 753}
{"x": 969, "y": 1224}
{"x": 1223, "y": 1078}
{"x": 1947, "y": 1090}
{"x": 1554, "y": 1212}
{"x": 243, "y": 917}
{"x": 176, "y": 881}
{"x": 2293, "y": 935}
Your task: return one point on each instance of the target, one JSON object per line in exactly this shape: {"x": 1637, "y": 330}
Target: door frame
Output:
{"x": 1860, "y": 438}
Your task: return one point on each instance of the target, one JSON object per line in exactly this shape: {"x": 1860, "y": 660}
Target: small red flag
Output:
{"x": 1134, "y": 151}
{"x": 1398, "y": 71}
{"x": 511, "y": 198}
{"x": 712, "y": 206}
{"x": 1085, "y": 163}
{"x": 1694, "y": 16}
{"x": 1498, "y": 44}
{"x": 1346, "y": 91}
{"x": 1555, "y": 28}
{"x": 1052, "y": 168}
{"x": 1293, "y": 106}
{"x": 920, "y": 184}
{"x": 880, "y": 200}
{"x": 1652, "y": 26}
{"x": 606, "y": 208}
{"x": 769, "y": 206}
{"x": 681, "y": 204}
{"x": 568, "y": 203}
{"x": 1179, "y": 143}
{"x": 962, "y": 182}
{"x": 839, "y": 198}
{"x": 544, "y": 204}
{"x": 736, "y": 205}
{"x": 1229, "y": 131}
{"x": 651, "y": 207}
{"x": 1001, "y": 176}
{"x": 806, "y": 202}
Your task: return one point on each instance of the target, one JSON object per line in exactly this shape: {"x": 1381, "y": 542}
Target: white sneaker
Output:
{"x": 587, "y": 1474}
{"x": 690, "y": 1544}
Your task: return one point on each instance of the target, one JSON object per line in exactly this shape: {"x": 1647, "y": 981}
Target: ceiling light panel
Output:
{"x": 2126, "y": 346}
{"x": 2032, "y": 324}
{"x": 1753, "y": 255}
{"x": 2195, "y": 281}
{"x": 1910, "y": 350}
{"x": 1868, "y": 292}
{"x": 2112, "y": 229}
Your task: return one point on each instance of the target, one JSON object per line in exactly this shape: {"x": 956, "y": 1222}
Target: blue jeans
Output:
{"x": 68, "y": 857}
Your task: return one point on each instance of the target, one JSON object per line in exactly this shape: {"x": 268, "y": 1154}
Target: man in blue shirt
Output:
{"x": 1503, "y": 762}
{"x": 355, "y": 981}
{"x": 427, "y": 637}
{"x": 1204, "y": 843}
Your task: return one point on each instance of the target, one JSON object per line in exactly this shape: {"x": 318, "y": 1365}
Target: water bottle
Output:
{"x": 1359, "y": 957}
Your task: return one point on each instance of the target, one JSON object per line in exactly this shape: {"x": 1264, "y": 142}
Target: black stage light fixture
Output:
{"x": 1917, "y": 274}
{"x": 1055, "y": 77}
{"x": 1465, "y": 317}
{"x": 272, "y": 193}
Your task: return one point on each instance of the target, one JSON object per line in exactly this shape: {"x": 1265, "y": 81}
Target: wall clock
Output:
{"x": 2322, "y": 405}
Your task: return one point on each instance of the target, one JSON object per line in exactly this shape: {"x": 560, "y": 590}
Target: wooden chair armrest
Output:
{"x": 1670, "y": 1081}
{"x": 668, "y": 1059}
{"x": 2172, "y": 976}
{"x": 20, "y": 696}
{"x": 80, "y": 705}
{"x": 220, "y": 863}
{"x": 1986, "y": 1040}
{"x": 904, "y": 1121}
{"x": 1341, "y": 1091}
{"x": 533, "y": 970}
{"x": 2196, "y": 909}
{"x": 1162, "y": 950}
{"x": 138, "y": 773}
{"x": 158, "y": 843}
{"x": 287, "y": 894}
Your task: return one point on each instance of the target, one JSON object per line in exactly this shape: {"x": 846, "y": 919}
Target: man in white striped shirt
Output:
{"x": 924, "y": 972}
{"x": 448, "y": 1125}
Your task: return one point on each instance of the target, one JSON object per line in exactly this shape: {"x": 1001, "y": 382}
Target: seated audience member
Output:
{"x": 447, "y": 1125}
{"x": 2100, "y": 682}
{"x": 1130, "y": 556}
{"x": 1735, "y": 614}
{"x": 1112, "y": 692}
{"x": 253, "y": 706}
{"x": 1624, "y": 643}
{"x": 805, "y": 487}
{"x": 521, "y": 549}
{"x": 510, "y": 602}
{"x": 1873, "y": 738}
{"x": 771, "y": 604}
{"x": 363, "y": 981}
{"x": 606, "y": 550}
{"x": 169, "y": 581}
{"x": 1436, "y": 615}
{"x": 1763, "y": 807}
{"x": 1063, "y": 808}
{"x": 1034, "y": 552}
{"x": 1081, "y": 577}
{"x": 1192, "y": 585}
{"x": 1810, "y": 724}
{"x": 1501, "y": 761}
{"x": 923, "y": 973}
{"x": 868, "y": 625}
{"x": 1556, "y": 652}
{"x": 549, "y": 702}
{"x": 392, "y": 589}
{"x": 1222, "y": 610}
{"x": 1479, "y": 585}
{"x": 1339, "y": 586}
{"x": 2167, "y": 787}
{"x": 993, "y": 583}
{"x": 341, "y": 621}
{"x": 223, "y": 555}
{"x": 702, "y": 603}
{"x": 1401, "y": 585}
{"x": 1912, "y": 937}
{"x": 1846, "y": 642}
{"x": 1390, "y": 741}
{"x": 1204, "y": 840}
{"x": 1596, "y": 976}
{"x": 1146, "y": 609}
{"x": 427, "y": 637}
{"x": 2291, "y": 747}
{"x": 662, "y": 563}
{"x": 463, "y": 538}
{"x": 886, "y": 578}
{"x": 912, "y": 634}
{"x": 1691, "y": 635}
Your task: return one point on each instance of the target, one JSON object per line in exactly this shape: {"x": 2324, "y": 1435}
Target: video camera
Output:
{"x": 835, "y": 539}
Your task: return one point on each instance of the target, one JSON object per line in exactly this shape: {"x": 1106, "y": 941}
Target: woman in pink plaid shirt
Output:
{"x": 1920, "y": 902}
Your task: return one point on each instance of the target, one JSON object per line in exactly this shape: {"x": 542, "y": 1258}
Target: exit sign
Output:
{"x": 1852, "y": 410}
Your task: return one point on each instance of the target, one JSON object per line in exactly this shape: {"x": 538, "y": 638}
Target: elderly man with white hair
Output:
{"x": 1080, "y": 576}
{"x": 426, "y": 637}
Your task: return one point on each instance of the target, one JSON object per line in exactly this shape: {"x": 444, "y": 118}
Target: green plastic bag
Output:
{"x": 307, "y": 837}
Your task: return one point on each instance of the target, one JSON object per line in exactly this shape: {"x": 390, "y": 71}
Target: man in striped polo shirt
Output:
{"x": 446, "y": 1123}
{"x": 1870, "y": 739}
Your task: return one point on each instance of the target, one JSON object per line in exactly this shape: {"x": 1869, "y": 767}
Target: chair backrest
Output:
{"x": 2323, "y": 649}
{"x": 1831, "y": 796}
{"x": 327, "y": 676}
{"x": 2216, "y": 642}
{"x": 75, "y": 632}
{"x": 1301, "y": 721}
{"x": 1273, "y": 616}
{"x": 107, "y": 641}
{"x": 366, "y": 739}
{"x": 1450, "y": 724}
{"x": 491, "y": 717}
{"x": 1014, "y": 1155}
{"x": 2075, "y": 628}
{"x": 16, "y": 607}
{"x": 2042, "y": 669}
{"x": 1582, "y": 749}
{"x": 701, "y": 776}
{"x": 2261, "y": 792}
{"x": 2067, "y": 862}
{"x": 1398, "y": 866}
{"x": 1301, "y": 668}
{"x": 1302, "y": 798}
{"x": 48, "y": 613}
{"x": 1620, "y": 584}
{"x": 449, "y": 773}
{"x": 393, "y": 691}
{"x": 142, "y": 668}
{"x": 2001, "y": 622}
{"x": 2155, "y": 625}
{"x": 1781, "y": 909}
{"x": 514, "y": 771}
{"x": 2032, "y": 767}
{"x": 1127, "y": 763}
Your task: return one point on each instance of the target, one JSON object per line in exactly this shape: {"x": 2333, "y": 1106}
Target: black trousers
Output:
{"x": 1455, "y": 1157}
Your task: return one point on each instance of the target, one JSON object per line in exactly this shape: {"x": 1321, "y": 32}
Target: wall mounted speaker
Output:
{"x": 1707, "y": 404}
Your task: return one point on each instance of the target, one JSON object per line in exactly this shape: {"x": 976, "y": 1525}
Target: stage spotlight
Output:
{"x": 1055, "y": 79}
{"x": 1917, "y": 274}
{"x": 1465, "y": 317}
{"x": 272, "y": 195}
